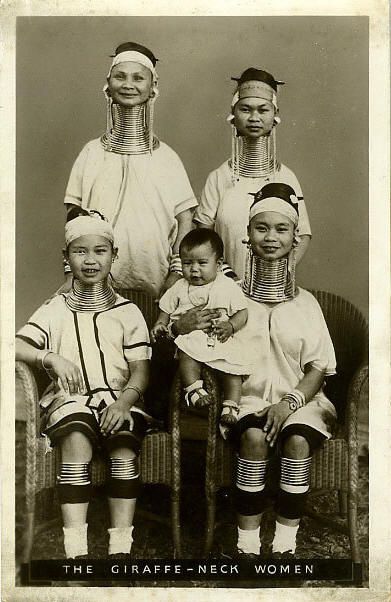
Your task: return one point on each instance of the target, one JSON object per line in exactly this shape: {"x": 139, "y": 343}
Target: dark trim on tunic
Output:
{"x": 143, "y": 344}
{"x": 83, "y": 366}
{"x": 30, "y": 341}
{"x": 100, "y": 390}
{"x": 102, "y": 357}
{"x": 115, "y": 306}
{"x": 42, "y": 330}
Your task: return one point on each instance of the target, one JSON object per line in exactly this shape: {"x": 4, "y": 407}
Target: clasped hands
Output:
{"x": 197, "y": 318}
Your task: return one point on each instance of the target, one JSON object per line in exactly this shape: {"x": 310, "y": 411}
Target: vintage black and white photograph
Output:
{"x": 192, "y": 302}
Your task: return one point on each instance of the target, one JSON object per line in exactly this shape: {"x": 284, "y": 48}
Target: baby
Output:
{"x": 222, "y": 348}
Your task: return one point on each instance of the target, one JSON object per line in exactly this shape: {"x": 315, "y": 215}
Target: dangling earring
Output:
{"x": 235, "y": 142}
{"x": 109, "y": 119}
{"x": 277, "y": 121}
{"x": 248, "y": 271}
{"x": 150, "y": 114}
{"x": 292, "y": 271}
{"x": 149, "y": 120}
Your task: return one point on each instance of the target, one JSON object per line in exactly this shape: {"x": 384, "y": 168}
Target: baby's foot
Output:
{"x": 229, "y": 414}
{"x": 196, "y": 395}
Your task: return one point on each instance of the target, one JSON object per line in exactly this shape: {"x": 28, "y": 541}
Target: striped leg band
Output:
{"x": 73, "y": 483}
{"x": 124, "y": 478}
{"x": 251, "y": 474}
{"x": 294, "y": 486}
{"x": 250, "y": 485}
{"x": 295, "y": 475}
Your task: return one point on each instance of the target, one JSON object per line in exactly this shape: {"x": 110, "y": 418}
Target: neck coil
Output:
{"x": 91, "y": 298}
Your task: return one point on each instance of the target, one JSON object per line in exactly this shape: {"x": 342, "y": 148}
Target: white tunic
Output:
{"x": 102, "y": 344}
{"x": 140, "y": 195}
{"x": 285, "y": 338}
{"x": 233, "y": 356}
{"x": 226, "y": 207}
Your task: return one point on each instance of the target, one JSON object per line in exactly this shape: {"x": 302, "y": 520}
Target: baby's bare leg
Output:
{"x": 232, "y": 384}
{"x": 189, "y": 368}
{"x": 190, "y": 371}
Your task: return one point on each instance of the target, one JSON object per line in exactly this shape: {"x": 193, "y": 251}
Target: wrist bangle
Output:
{"x": 170, "y": 330}
{"x": 233, "y": 329}
{"x": 40, "y": 358}
{"x": 301, "y": 395}
{"x": 134, "y": 388}
{"x": 296, "y": 399}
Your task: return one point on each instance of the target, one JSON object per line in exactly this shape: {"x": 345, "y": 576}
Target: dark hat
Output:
{"x": 134, "y": 47}
{"x": 253, "y": 74}
{"x": 276, "y": 190}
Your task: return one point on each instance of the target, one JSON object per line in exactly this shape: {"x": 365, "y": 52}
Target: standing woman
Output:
{"x": 136, "y": 181}
{"x": 225, "y": 200}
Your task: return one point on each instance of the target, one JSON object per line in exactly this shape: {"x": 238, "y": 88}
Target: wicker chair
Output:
{"x": 156, "y": 458}
{"x": 335, "y": 465}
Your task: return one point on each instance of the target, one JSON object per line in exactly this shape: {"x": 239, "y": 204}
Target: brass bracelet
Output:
{"x": 41, "y": 356}
{"x": 233, "y": 329}
{"x": 170, "y": 331}
{"x": 134, "y": 388}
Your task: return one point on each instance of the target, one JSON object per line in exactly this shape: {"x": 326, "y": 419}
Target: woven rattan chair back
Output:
{"x": 349, "y": 333}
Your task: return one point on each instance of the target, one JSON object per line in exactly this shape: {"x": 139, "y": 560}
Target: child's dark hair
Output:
{"x": 200, "y": 236}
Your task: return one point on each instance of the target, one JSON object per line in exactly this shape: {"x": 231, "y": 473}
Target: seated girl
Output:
{"x": 221, "y": 346}
{"x": 283, "y": 406}
{"x": 95, "y": 347}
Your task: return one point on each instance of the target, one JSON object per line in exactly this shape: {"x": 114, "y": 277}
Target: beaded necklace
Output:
{"x": 91, "y": 298}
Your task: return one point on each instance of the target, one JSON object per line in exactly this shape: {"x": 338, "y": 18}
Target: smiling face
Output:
{"x": 254, "y": 117}
{"x": 271, "y": 235}
{"x": 90, "y": 257}
{"x": 130, "y": 84}
{"x": 200, "y": 264}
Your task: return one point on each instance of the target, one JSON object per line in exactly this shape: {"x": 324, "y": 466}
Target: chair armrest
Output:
{"x": 356, "y": 385}
{"x": 354, "y": 393}
{"x": 27, "y": 379}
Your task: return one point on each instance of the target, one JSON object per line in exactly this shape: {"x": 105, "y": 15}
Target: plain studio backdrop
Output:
{"x": 62, "y": 63}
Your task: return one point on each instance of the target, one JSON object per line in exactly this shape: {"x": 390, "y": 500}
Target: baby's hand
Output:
{"x": 158, "y": 331}
{"x": 223, "y": 331}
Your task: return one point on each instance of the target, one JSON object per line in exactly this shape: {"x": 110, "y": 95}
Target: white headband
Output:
{"x": 236, "y": 99}
{"x": 277, "y": 205}
{"x": 132, "y": 56}
{"x": 84, "y": 225}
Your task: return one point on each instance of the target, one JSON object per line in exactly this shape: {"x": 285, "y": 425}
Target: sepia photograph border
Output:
{"x": 379, "y": 287}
